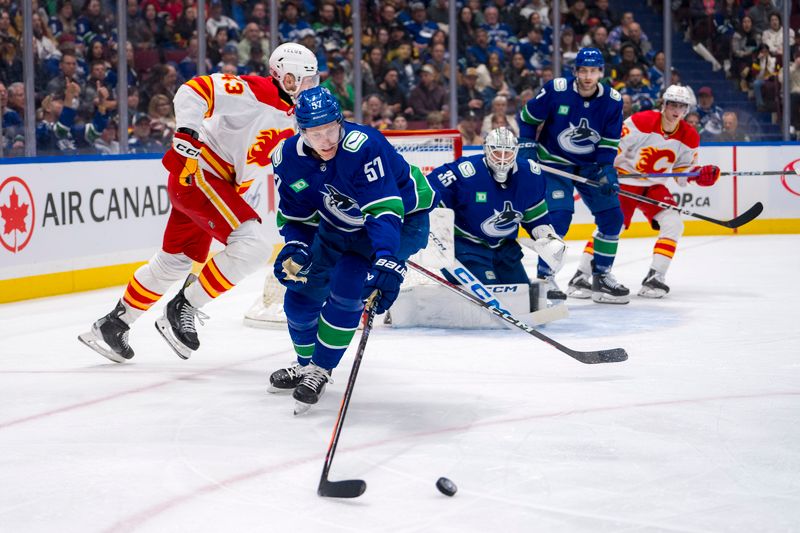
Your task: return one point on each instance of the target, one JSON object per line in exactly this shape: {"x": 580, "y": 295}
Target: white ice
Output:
{"x": 698, "y": 431}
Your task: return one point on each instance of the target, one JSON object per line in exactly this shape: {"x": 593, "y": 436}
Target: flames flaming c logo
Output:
{"x": 261, "y": 151}
{"x": 650, "y": 160}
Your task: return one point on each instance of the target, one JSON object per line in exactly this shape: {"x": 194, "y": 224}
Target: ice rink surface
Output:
{"x": 698, "y": 431}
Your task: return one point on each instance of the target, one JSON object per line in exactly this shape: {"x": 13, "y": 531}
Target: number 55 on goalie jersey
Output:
{"x": 366, "y": 185}
{"x": 486, "y": 213}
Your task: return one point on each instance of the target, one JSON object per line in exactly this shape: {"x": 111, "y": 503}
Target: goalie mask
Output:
{"x": 294, "y": 67}
{"x": 500, "y": 152}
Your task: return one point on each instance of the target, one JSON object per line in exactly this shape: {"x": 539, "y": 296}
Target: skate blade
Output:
{"x": 93, "y": 342}
{"x": 275, "y": 390}
{"x": 651, "y": 293}
{"x": 301, "y": 408}
{"x": 603, "y": 298}
{"x": 580, "y": 294}
{"x": 163, "y": 327}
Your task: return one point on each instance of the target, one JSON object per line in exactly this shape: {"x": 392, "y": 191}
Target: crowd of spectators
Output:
{"x": 745, "y": 39}
{"x": 504, "y": 54}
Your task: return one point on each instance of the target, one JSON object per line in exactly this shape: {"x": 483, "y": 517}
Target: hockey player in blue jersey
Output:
{"x": 579, "y": 123}
{"x": 351, "y": 211}
{"x": 492, "y": 195}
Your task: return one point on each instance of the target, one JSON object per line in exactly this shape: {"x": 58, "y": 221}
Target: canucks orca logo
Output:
{"x": 580, "y": 139}
{"x": 502, "y": 223}
{"x": 342, "y": 206}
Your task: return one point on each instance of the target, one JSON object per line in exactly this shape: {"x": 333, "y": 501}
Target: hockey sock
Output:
{"x": 670, "y": 227}
{"x": 150, "y": 281}
{"x": 606, "y": 239}
{"x": 585, "y": 264}
{"x": 560, "y": 220}
{"x": 337, "y": 325}
{"x": 245, "y": 252}
{"x": 663, "y": 251}
{"x": 301, "y": 316}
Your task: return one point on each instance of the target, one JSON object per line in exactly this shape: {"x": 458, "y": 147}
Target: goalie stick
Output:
{"x": 733, "y": 223}
{"x": 614, "y": 355}
{"x": 348, "y": 488}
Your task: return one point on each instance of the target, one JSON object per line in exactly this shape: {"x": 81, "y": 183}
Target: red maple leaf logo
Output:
{"x": 14, "y": 214}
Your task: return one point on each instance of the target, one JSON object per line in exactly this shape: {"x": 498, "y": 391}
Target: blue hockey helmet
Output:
{"x": 317, "y": 107}
{"x": 590, "y": 57}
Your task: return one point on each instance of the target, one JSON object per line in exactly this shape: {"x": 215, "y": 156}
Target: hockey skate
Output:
{"x": 653, "y": 285}
{"x": 607, "y": 290}
{"x": 109, "y": 336}
{"x": 553, "y": 292}
{"x": 580, "y": 286}
{"x": 286, "y": 379}
{"x": 177, "y": 324}
{"x": 310, "y": 388}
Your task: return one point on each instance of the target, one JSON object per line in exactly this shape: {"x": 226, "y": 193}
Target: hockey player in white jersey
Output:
{"x": 227, "y": 128}
{"x": 654, "y": 142}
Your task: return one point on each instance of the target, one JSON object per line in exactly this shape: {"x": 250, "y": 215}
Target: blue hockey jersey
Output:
{"x": 366, "y": 186}
{"x": 577, "y": 130}
{"x": 485, "y": 212}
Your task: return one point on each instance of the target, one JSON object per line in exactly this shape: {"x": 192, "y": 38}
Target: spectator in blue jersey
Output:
{"x": 142, "y": 142}
{"x": 637, "y": 87}
{"x": 62, "y": 24}
{"x": 478, "y": 53}
{"x": 351, "y": 211}
{"x": 500, "y": 33}
{"x": 656, "y": 73}
{"x": 92, "y": 23}
{"x": 419, "y": 27}
{"x": 327, "y": 26}
{"x": 492, "y": 195}
{"x": 710, "y": 114}
{"x": 406, "y": 67}
{"x": 575, "y": 125}
{"x": 68, "y": 73}
{"x": 57, "y": 133}
{"x": 291, "y": 24}
{"x": 536, "y": 52}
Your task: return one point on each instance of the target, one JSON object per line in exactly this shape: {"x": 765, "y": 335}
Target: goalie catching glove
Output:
{"x": 293, "y": 264}
{"x": 386, "y": 276}
{"x": 549, "y": 246}
{"x": 186, "y": 150}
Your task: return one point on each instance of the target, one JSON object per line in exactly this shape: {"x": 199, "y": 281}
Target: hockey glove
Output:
{"x": 386, "y": 276}
{"x": 709, "y": 174}
{"x": 606, "y": 176}
{"x": 182, "y": 159}
{"x": 293, "y": 264}
{"x": 549, "y": 246}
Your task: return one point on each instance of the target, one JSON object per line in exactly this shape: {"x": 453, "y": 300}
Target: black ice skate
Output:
{"x": 553, "y": 292}
{"x": 310, "y": 388}
{"x": 653, "y": 285}
{"x": 286, "y": 379}
{"x": 177, "y": 324}
{"x": 607, "y": 290}
{"x": 580, "y": 286}
{"x": 109, "y": 336}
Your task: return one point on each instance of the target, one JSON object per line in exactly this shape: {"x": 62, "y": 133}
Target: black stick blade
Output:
{"x": 614, "y": 355}
{"x": 747, "y": 216}
{"x": 348, "y": 488}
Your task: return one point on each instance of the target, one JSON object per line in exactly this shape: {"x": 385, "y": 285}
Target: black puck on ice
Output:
{"x": 446, "y": 486}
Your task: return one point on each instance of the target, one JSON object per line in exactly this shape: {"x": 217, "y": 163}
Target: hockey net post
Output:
{"x": 426, "y": 149}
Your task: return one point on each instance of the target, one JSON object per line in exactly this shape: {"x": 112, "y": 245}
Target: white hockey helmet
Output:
{"x": 500, "y": 151}
{"x": 679, "y": 95}
{"x": 294, "y": 67}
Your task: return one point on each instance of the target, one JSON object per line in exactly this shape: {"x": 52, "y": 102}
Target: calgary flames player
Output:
{"x": 227, "y": 127}
{"x": 653, "y": 142}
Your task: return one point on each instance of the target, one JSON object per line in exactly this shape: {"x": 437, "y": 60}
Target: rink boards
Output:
{"x": 74, "y": 224}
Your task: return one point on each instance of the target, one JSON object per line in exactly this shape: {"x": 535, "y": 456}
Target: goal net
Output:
{"x": 426, "y": 149}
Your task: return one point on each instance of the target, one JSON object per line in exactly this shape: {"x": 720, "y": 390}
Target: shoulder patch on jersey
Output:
{"x": 354, "y": 141}
{"x": 266, "y": 92}
{"x": 614, "y": 94}
{"x": 560, "y": 84}
{"x": 467, "y": 169}
{"x": 299, "y": 185}
{"x": 277, "y": 154}
{"x": 535, "y": 168}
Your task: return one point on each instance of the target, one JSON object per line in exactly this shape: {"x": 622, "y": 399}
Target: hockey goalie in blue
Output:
{"x": 351, "y": 211}
{"x": 579, "y": 123}
{"x": 492, "y": 195}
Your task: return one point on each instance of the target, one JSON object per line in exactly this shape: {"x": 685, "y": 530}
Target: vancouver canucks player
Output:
{"x": 579, "y": 122}
{"x": 492, "y": 194}
{"x": 351, "y": 211}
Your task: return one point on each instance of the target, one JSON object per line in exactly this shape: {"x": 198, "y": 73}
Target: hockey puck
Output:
{"x": 445, "y": 486}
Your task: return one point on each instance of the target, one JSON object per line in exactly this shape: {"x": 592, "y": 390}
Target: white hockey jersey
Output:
{"x": 239, "y": 118}
{"x": 646, "y": 149}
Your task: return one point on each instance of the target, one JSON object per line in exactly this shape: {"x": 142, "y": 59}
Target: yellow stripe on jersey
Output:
{"x": 204, "y": 86}
{"x": 219, "y": 204}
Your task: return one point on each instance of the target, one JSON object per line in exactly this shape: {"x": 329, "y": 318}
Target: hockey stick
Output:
{"x": 614, "y": 355}
{"x": 726, "y": 173}
{"x": 733, "y": 223}
{"x": 348, "y": 488}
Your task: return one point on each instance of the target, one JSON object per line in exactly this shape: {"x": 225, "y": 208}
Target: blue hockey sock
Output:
{"x": 301, "y": 315}
{"x": 337, "y": 325}
{"x": 609, "y": 226}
